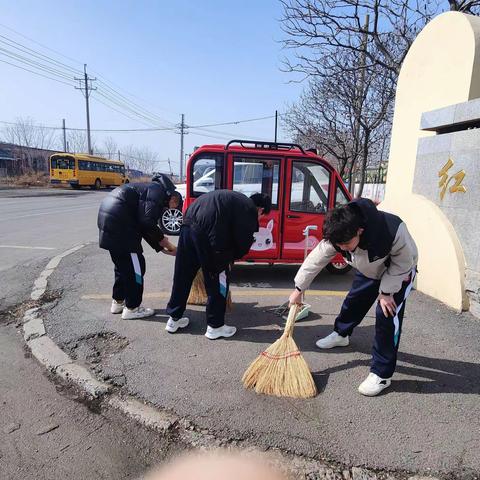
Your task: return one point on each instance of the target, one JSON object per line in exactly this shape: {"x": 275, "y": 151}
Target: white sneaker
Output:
{"x": 373, "y": 385}
{"x": 332, "y": 340}
{"x": 223, "y": 331}
{"x": 117, "y": 307}
{"x": 173, "y": 325}
{"x": 139, "y": 312}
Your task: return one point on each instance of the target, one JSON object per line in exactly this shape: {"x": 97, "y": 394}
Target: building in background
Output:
{"x": 18, "y": 160}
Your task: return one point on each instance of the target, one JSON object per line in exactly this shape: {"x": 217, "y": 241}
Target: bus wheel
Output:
{"x": 338, "y": 268}
{"x": 97, "y": 185}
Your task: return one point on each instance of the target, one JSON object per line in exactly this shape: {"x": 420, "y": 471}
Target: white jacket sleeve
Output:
{"x": 317, "y": 259}
{"x": 403, "y": 257}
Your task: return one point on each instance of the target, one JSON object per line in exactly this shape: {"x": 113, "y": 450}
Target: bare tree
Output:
{"x": 139, "y": 158}
{"x": 470, "y": 6}
{"x": 351, "y": 52}
{"x": 77, "y": 142}
{"x": 110, "y": 147}
{"x": 26, "y": 132}
{"x": 320, "y": 29}
{"x": 344, "y": 117}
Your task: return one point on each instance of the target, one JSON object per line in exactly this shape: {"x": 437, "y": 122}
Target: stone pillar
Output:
{"x": 442, "y": 68}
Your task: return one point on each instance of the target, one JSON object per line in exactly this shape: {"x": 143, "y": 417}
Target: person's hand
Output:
{"x": 164, "y": 242}
{"x": 388, "y": 305}
{"x": 172, "y": 251}
{"x": 295, "y": 297}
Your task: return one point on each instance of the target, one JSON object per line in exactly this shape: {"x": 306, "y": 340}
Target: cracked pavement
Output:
{"x": 434, "y": 396}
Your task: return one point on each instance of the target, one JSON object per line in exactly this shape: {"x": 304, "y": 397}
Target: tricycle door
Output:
{"x": 307, "y": 190}
{"x": 251, "y": 174}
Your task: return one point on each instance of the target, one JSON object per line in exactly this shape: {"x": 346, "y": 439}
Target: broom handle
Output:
{"x": 292, "y": 315}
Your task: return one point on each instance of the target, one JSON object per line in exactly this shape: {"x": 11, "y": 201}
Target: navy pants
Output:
{"x": 129, "y": 272}
{"x": 360, "y": 298}
{"x": 193, "y": 253}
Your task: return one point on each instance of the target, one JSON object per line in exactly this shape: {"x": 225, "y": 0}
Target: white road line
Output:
{"x": 55, "y": 211}
{"x": 26, "y": 247}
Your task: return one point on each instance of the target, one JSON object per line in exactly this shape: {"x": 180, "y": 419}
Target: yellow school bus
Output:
{"x": 79, "y": 170}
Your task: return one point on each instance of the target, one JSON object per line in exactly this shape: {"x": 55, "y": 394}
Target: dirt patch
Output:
{"x": 93, "y": 351}
{"x": 15, "y": 313}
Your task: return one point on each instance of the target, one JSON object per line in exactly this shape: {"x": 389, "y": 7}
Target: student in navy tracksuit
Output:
{"x": 385, "y": 256}
{"x": 126, "y": 216}
{"x": 217, "y": 230}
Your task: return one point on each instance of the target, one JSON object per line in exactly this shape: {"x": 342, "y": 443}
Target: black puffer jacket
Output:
{"x": 227, "y": 220}
{"x": 130, "y": 213}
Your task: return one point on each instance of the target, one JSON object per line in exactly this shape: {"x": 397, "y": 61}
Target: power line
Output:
{"x": 234, "y": 123}
{"x": 34, "y": 64}
{"x": 49, "y": 65}
{"x": 136, "y": 105}
{"x": 125, "y": 115}
{"x": 227, "y": 134}
{"x": 151, "y": 129}
{"x": 36, "y": 73}
{"x": 40, "y": 44}
{"x": 34, "y": 53}
{"x": 109, "y": 94}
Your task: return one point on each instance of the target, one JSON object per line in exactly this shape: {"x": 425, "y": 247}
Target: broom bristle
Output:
{"x": 198, "y": 294}
{"x": 281, "y": 369}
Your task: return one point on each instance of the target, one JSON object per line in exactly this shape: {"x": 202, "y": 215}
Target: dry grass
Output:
{"x": 31, "y": 179}
{"x": 143, "y": 179}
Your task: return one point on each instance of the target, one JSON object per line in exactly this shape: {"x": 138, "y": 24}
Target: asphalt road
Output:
{"x": 39, "y": 223}
{"x": 47, "y": 431}
{"x": 427, "y": 422}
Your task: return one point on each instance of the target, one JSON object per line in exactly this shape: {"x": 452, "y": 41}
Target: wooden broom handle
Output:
{"x": 292, "y": 315}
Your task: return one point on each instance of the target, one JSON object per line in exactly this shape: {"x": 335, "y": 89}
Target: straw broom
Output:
{"x": 198, "y": 294}
{"x": 281, "y": 369}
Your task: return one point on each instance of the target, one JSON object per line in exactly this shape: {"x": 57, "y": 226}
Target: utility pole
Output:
{"x": 86, "y": 88}
{"x": 276, "y": 124}
{"x": 119, "y": 156}
{"x": 182, "y": 133}
{"x": 170, "y": 167}
{"x": 64, "y": 136}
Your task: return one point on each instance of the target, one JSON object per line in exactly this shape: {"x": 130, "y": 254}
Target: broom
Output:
{"x": 198, "y": 294}
{"x": 281, "y": 369}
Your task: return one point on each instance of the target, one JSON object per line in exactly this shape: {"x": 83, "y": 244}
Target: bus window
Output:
{"x": 63, "y": 163}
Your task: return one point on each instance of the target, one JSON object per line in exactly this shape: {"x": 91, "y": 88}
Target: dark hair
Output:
{"x": 341, "y": 224}
{"x": 165, "y": 182}
{"x": 262, "y": 200}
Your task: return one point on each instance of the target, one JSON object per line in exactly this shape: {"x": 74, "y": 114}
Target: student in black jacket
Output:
{"x": 217, "y": 230}
{"x": 126, "y": 216}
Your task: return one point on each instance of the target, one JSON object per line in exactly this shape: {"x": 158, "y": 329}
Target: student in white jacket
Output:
{"x": 378, "y": 245}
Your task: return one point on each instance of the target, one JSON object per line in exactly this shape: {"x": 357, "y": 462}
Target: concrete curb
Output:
{"x": 56, "y": 361}
{"x": 44, "y": 349}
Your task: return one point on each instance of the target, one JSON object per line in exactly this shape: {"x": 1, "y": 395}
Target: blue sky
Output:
{"x": 216, "y": 61}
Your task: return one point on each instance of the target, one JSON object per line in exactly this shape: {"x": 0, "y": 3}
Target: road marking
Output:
{"x": 285, "y": 292}
{"x": 27, "y": 248}
{"x": 54, "y": 211}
